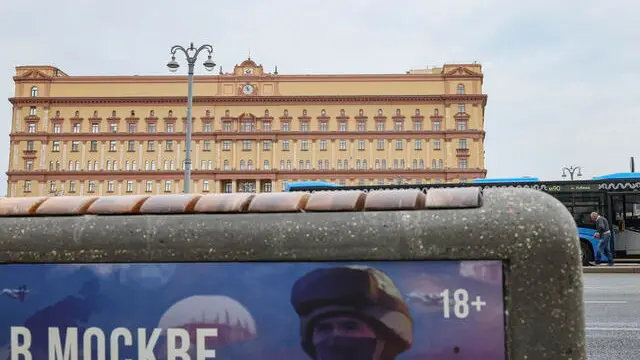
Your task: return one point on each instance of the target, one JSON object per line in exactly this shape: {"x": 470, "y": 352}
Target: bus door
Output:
{"x": 626, "y": 222}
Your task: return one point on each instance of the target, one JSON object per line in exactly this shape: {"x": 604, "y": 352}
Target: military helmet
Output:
{"x": 359, "y": 291}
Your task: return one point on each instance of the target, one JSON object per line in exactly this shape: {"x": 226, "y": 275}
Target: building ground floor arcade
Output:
{"x": 166, "y": 182}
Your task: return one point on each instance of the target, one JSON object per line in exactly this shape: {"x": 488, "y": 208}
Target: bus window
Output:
{"x": 566, "y": 199}
{"x": 632, "y": 210}
{"x": 583, "y": 205}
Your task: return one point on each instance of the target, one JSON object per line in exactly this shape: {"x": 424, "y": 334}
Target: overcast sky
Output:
{"x": 561, "y": 76}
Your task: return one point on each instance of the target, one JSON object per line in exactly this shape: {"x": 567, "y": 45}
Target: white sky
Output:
{"x": 561, "y": 76}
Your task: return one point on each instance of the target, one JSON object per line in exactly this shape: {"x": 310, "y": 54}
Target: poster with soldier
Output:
{"x": 323, "y": 311}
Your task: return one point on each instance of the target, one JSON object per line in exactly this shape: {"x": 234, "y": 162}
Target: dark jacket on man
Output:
{"x": 602, "y": 225}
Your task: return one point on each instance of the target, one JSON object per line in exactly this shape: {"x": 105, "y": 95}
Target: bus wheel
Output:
{"x": 586, "y": 252}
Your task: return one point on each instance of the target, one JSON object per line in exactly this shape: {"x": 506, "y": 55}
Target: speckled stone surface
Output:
{"x": 530, "y": 231}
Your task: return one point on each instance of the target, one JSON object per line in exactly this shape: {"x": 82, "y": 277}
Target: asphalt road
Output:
{"x": 612, "y": 310}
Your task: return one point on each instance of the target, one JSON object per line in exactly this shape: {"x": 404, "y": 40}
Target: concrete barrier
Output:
{"x": 524, "y": 229}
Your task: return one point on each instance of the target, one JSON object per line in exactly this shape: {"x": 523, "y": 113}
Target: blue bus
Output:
{"x": 616, "y": 196}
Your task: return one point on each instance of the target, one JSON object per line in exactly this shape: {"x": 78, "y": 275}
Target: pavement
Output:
{"x": 616, "y": 269}
{"x": 622, "y": 266}
{"x": 612, "y": 314}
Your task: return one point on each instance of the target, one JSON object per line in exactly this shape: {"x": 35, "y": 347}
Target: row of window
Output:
{"x": 111, "y": 186}
{"x": 460, "y": 90}
{"x": 461, "y": 108}
{"x": 323, "y": 164}
{"x": 252, "y": 126}
{"x": 169, "y": 186}
{"x": 247, "y": 145}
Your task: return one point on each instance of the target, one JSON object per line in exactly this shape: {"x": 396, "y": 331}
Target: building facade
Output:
{"x": 252, "y": 130}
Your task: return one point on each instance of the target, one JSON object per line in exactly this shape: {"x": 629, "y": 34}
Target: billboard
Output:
{"x": 253, "y": 310}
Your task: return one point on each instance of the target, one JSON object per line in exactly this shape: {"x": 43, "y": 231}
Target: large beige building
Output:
{"x": 252, "y": 130}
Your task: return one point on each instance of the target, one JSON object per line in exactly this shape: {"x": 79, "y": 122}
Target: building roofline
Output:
{"x": 65, "y": 78}
{"x": 267, "y": 77}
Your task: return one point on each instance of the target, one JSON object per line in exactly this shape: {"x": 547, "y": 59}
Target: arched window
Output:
{"x": 152, "y": 114}
{"x": 95, "y": 114}
{"x": 266, "y": 113}
{"x": 77, "y": 114}
{"x": 323, "y": 112}
{"x": 126, "y": 165}
{"x": 207, "y": 113}
{"x": 170, "y": 113}
{"x": 266, "y": 165}
{"x": 77, "y": 165}
{"x": 342, "y": 113}
{"x": 34, "y": 91}
{"x": 226, "y": 165}
{"x": 379, "y": 112}
{"x": 113, "y": 113}
{"x": 172, "y": 165}
{"x": 210, "y": 165}
{"x": 146, "y": 165}
{"x": 133, "y": 165}
{"x": 436, "y": 112}
{"x": 250, "y": 165}
{"x": 417, "y": 112}
{"x": 153, "y": 164}
{"x": 70, "y": 165}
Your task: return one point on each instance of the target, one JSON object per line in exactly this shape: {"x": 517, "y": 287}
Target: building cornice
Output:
{"x": 248, "y": 100}
{"x": 271, "y": 135}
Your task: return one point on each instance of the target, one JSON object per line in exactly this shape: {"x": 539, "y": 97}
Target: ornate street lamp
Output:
{"x": 572, "y": 171}
{"x": 191, "y": 54}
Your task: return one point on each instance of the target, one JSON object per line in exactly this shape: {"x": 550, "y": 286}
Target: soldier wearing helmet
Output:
{"x": 351, "y": 312}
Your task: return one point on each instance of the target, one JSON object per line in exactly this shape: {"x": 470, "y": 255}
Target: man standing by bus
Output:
{"x": 603, "y": 234}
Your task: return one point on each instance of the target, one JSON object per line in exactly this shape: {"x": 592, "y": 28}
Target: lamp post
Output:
{"x": 572, "y": 171}
{"x": 191, "y": 53}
